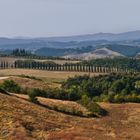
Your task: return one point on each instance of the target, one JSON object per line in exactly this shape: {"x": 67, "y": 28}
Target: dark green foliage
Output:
{"x": 33, "y": 96}
{"x": 95, "y": 109}
{"x": 111, "y": 88}
{"x": 84, "y": 100}
{"x": 21, "y": 52}
{"x": 92, "y": 107}
{"x": 51, "y": 93}
{"x": 131, "y": 64}
{"x": 3, "y": 91}
{"x": 10, "y": 86}
{"x": 108, "y": 88}
{"x": 118, "y": 86}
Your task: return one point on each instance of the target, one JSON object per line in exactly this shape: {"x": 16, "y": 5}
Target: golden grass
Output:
{"x": 49, "y": 78}
{"x": 60, "y": 105}
{"x": 28, "y": 83}
{"x": 43, "y": 73}
{"x": 20, "y": 119}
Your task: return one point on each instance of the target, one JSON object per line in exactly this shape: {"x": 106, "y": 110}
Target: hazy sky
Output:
{"x": 43, "y": 18}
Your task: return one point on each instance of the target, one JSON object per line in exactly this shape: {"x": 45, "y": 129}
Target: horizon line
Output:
{"x": 57, "y": 36}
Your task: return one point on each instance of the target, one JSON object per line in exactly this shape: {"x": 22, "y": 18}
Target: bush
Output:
{"x": 33, "y": 96}
{"x": 92, "y": 107}
{"x": 10, "y": 86}
{"x": 84, "y": 100}
{"x": 95, "y": 109}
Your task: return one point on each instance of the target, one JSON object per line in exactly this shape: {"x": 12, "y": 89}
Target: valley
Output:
{"x": 69, "y": 70}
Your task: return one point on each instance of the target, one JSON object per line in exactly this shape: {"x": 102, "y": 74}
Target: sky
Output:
{"x": 47, "y": 18}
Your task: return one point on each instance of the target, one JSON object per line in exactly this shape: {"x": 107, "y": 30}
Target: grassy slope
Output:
{"x": 20, "y": 119}
{"x": 51, "y": 78}
{"x": 26, "y": 82}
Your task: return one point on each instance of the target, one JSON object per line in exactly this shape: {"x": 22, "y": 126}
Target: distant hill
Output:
{"x": 98, "y": 53}
{"x": 125, "y": 44}
{"x": 132, "y": 35}
{"x": 126, "y": 50}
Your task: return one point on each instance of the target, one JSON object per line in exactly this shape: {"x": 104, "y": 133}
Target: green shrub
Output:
{"x": 84, "y": 100}
{"x": 33, "y": 96}
{"x": 10, "y": 86}
{"x": 95, "y": 109}
{"x": 92, "y": 107}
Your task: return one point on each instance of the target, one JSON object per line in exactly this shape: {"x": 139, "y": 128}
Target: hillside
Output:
{"x": 98, "y": 53}
{"x": 20, "y": 119}
{"x": 126, "y": 50}
{"x": 127, "y": 44}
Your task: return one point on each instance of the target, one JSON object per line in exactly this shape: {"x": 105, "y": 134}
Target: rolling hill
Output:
{"x": 20, "y": 119}
{"x": 126, "y": 44}
{"x": 98, "y": 53}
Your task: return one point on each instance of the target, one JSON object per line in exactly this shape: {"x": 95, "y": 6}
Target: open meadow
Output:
{"x": 44, "y": 74}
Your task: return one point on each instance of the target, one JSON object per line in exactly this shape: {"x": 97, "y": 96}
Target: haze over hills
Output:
{"x": 132, "y": 35}
{"x": 122, "y": 44}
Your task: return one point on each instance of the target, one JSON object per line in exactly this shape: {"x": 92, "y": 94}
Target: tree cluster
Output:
{"x": 111, "y": 88}
{"x": 122, "y": 63}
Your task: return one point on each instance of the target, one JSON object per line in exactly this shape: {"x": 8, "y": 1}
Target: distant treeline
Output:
{"x": 51, "y": 66}
{"x": 22, "y": 53}
{"x": 121, "y": 63}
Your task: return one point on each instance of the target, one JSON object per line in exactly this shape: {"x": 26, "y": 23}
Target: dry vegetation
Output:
{"x": 59, "y": 105}
{"x": 27, "y": 82}
{"x": 20, "y": 119}
{"x": 43, "y": 73}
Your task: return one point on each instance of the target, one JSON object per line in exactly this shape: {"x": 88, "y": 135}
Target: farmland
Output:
{"x": 54, "y": 75}
{"x": 53, "y": 119}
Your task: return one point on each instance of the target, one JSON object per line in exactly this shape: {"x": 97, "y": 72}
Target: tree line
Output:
{"x": 50, "y": 65}
{"x": 131, "y": 64}
{"x": 116, "y": 88}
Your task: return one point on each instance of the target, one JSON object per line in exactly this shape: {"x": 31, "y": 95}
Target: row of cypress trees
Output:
{"x": 60, "y": 67}
{"x": 66, "y": 67}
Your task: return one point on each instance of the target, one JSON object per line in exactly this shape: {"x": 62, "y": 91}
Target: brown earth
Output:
{"x": 22, "y": 120}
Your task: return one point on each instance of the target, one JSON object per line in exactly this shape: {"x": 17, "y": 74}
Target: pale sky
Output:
{"x": 44, "y": 18}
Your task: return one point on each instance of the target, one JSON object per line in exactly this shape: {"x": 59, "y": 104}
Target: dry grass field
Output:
{"x": 28, "y": 83}
{"x": 61, "y": 105}
{"x": 58, "y": 75}
{"x": 22, "y": 120}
